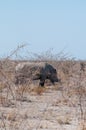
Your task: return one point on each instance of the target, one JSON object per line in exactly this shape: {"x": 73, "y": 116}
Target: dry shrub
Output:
{"x": 21, "y": 92}
{"x": 66, "y": 68}
{"x": 5, "y": 102}
{"x": 21, "y": 89}
{"x": 2, "y": 86}
{"x": 10, "y": 75}
{"x": 81, "y": 91}
{"x": 2, "y": 100}
{"x": 76, "y": 91}
{"x": 64, "y": 120}
{"x": 82, "y": 125}
{"x": 60, "y": 101}
{"x": 11, "y": 116}
{"x": 25, "y": 88}
{"x": 39, "y": 90}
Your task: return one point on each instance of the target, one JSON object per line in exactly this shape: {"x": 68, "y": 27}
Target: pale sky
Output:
{"x": 44, "y": 24}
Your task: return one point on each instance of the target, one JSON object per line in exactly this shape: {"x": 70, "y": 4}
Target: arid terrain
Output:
{"x": 54, "y": 107}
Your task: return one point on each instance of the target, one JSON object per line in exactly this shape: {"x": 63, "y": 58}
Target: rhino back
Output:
{"x": 29, "y": 68}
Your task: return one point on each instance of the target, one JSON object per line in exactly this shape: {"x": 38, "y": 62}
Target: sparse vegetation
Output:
{"x": 28, "y": 106}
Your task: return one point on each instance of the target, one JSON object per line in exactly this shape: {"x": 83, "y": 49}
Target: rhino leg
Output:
{"x": 42, "y": 80}
{"x": 41, "y": 83}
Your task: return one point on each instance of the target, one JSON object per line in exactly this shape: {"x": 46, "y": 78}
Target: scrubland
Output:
{"x": 54, "y": 107}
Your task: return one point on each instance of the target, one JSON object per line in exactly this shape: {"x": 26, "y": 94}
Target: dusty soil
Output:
{"x": 59, "y": 107}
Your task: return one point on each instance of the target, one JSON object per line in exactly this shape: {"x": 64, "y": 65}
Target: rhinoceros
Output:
{"x": 35, "y": 71}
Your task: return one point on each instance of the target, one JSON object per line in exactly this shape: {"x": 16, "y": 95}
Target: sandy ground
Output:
{"x": 49, "y": 110}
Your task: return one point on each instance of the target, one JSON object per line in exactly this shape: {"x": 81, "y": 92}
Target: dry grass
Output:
{"x": 3, "y": 100}
{"x": 2, "y": 86}
{"x": 64, "y": 120}
{"x": 39, "y": 90}
{"x": 70, "y": 93}
{"x": 27, "y": 89}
